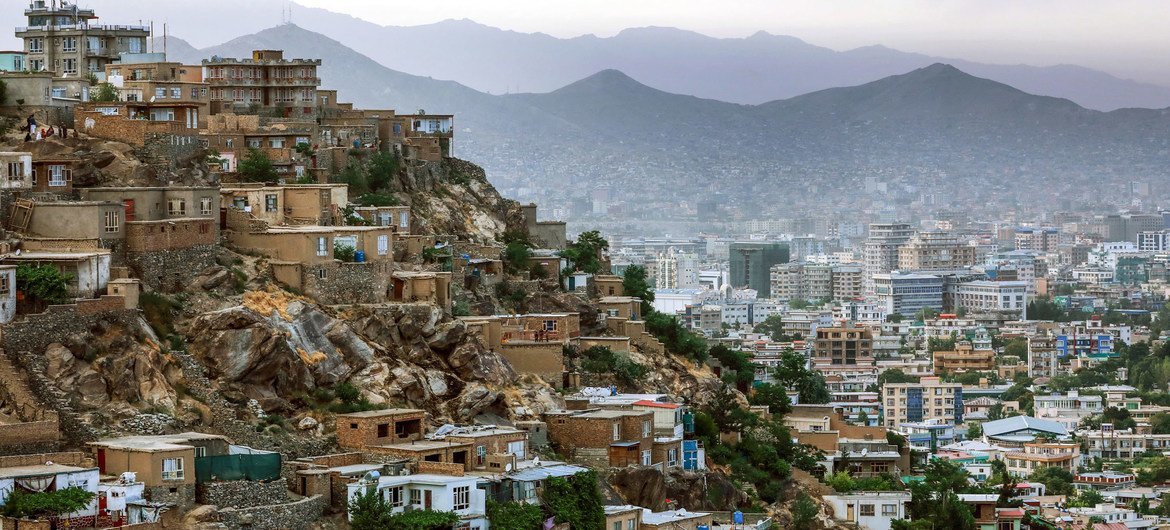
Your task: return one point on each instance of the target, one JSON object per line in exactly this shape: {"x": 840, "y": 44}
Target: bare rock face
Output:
{"x": 290, "y": 351}
{"x": 651, "y": 488}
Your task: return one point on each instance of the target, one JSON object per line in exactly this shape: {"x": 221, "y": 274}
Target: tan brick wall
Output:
{"x": 365, "y": 433}
{"x": 70, "y": 458}
{"x": 154, "y": 236}
{"x": 101, "y": 305}
{"x": 439, "y": 468}
{"x": 545, "y": 360}
{"x": 28, "y": 434}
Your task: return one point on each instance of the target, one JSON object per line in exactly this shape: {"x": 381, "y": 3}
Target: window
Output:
{"x": 395, "y": 497}
{"x": 867, "y": 510}
{"x": 462, "y": 498}
{"x": 645, "y": 429}
{"x": 205, "y": 206}
{"x": 58, "y": 175}
{"x": 95, "y": 44}
{"x": 617, "y": 525}
{"x": 322, "y": 274}
{"x": 630, "y": 524}
{"x": 402, "y": 219}
{"x": 646, "y": 458}
{"x": 516, "y": 448}
{"x": 176, "y": 93}
{"x": 270, "y": 202}
{"x": 172, "y": 469}
{"x": 36, "y": 65}
{"x": 69, "y": 66}
{"x": 383, "y": 245}
{"x": 200, "y": 452}
{"x": 322, "y": 249}
{"x": 194, "y": 92}
{"x": 177, "y": 207}
{"x": 276, "y": 143}
{"x": 254, "y": 143}
{"x": 69, "y": 44}
{"x": 617, "y": 432}
{"x": 15, "y": 172}
{"x": 36, "y": 45}
{"x": 383, "y": 430}
{"x": 160, "y": 92}
{"x": 415, "y": 497}
{"x": 5, "y": 289}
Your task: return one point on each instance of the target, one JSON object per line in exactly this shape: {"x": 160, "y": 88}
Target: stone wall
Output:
{"x": 544, "y": 359}
{"x": 181, "y": 495}
{"x": 170, "y": 234}
{"x": 347, "y": 283}
{"x": 25, "y": 341}
{"x": 171, "y": 270}
{"x": 70, "y": 458}
{"x": 165, "y": 151}
{"x": 289, "y": 516}
{"x": 242, "y": 493}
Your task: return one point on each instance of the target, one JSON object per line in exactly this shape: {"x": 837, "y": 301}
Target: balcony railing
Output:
{"x": 86, "y": 27}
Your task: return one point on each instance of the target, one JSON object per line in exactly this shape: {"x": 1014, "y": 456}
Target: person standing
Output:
{"x": 32, "y": 123}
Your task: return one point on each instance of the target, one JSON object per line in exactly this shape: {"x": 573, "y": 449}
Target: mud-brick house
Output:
{"x": 609, "y": 285}
{"x": 53, "y": 174}
{"x": 139, "y": 122}
{"x": 396, "y": 216}
{"x": 626, "y": 307}
{"x": 489, "y": 441}
{"x": 50, "y": 476}
{"x": 532, "y": 344}
{"x": 359, "y": 430}
{"x": 291, "y": 204}
{"x": 73, "y": 224}
{"x": 16, "y": 171}
{"x": 180, "y": 468}
{"x": 545, "y": 234}
{"x": 603, "y": 437}
{"x": 233, "y": 136}
{"x": 421, "y": 286}
{"x": 157, "y": 203}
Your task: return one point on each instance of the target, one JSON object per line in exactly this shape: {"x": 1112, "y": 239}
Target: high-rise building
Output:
{"x": 677, "y": 270}
{"x": 1153, "y": 241}
{"x": 1126, "y": 227}
{"x": 62, "y": 38}
{"x": 844, "y": 351}
{"x": 751, "y": 265}
{"x": 881, "y": 249}
{"x": 935, "y": 250}
{"x": 813, "y": 281}
{"x": 907, "y": 294}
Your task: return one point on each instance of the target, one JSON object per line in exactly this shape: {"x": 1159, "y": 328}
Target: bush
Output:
{"x": 22, "y": 504}
{"x": 601, "y": 360}
{"x": 256, "y": 167}
{"x": 159, "y": 312}
{"x": 378, "y": 199}
{"x": 44, "y": 283}
{"x": 351, "y": 400}
{"x": 514, "y": 515}
{"x": 344, "y": 253}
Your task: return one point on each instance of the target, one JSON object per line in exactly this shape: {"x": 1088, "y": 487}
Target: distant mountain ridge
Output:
{"x": 609, "y": 129}
{"x": 754, "y": 69}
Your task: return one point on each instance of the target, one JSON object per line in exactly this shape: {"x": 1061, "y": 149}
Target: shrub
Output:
{"x": 22, "y": 504}
{"x": 344, "y": 253}
{"x": 44, "y": 283}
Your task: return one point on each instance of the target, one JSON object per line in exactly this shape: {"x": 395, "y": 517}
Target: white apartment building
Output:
{"x": 983, "y": 295}
{"x": 435, "y": 492}
{"x": 907, "y": 294}
{"x": 859, "y": 311}
{"x": 873, "y": 510}
{"x": 881, "y": 249}
{"x": 1125, "y": 444}
{"x": 1068, "y": 409}
{"x": 1156, "y": 241}
{"x": 1110, "y": 513}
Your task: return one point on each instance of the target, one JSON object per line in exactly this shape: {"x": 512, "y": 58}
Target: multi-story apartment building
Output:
{"x": 1034, "y": 456}
{"x": 881, "y": 249}
{"x": 907, "y": 294}
{"x": 860, "y": 311}
{"x": 935, "y": 250}
{"x": 1153, "y": 241}
{"x": 964, "y": 358}
{"x": 1069, "y": 408}
{"x": 848, "y": 282}
{"x": 844, "y": 350}
{"x": 677, "y": 270}
{"x": 1111, "y": 444}
{"x": 266, "y": 83}
{"x": 929, "y": 399}
{"x": 1043, "y": 360}
{"x": 161, "y": 85}
{"x": 751, "y": 265}
{"x": 815, "y": 281}
{"x": 62, "y": 38}
{"x": 989, "y": 296}
{"x": 1040, "y": 239}
{"x": 1126, "y": 227}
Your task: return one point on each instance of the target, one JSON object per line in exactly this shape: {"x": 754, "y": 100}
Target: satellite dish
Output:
{"x": 508, "y": 468}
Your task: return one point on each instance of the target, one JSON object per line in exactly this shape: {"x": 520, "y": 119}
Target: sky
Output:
{"x": 1126, "y": 37}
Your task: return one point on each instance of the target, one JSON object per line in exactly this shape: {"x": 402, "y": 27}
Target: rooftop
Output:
{"x": 40, "y": 470}
{"x": 658, "y": 518}
{"x": 381, "y": 413}
{"x": 1013, "y": 424}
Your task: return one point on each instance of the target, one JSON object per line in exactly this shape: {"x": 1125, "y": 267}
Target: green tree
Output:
{"x": 516, "y": 256}
{"x": 863, "y": 418}
{"x": 44, "y": 283}
{"x": 1160, "y": 423}
{"x": 798, "y": 304}
{"x": 1056, "y": 481}
{"x": 636, "y": 284}
{"x": 382, "y": 168}
{"x": 575, "y": 500}
{"x": 894, "y": 375}
{"x": 585, "y": 252}
{"x": 21, "y": 504}
{"x": 774, "y": 397}
{"x": 804, "y": 513}
{"x": 773, "y": 327}
{"x": 1017, "y": 347}
{"x": 1087, "y": 498}
{"x": 514, "y": 515}
{"x": 354, "y": 176}
{"x": 974, "y": 431}
{"x": 792, "y": 373}
{"x": 105, "y": 93}
{"x": 255, "y": 166}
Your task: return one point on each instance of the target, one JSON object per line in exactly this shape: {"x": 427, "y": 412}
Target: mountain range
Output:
{"x": 751, "y": 70}
{"x": 610, "y": 130}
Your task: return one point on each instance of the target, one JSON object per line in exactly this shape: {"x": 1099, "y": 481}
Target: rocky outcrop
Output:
{"x": 651, "y": 488}
{"x": 454, "y": 197}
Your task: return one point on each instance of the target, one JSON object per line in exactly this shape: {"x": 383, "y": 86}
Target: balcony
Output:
{"x": 83, "y": 27}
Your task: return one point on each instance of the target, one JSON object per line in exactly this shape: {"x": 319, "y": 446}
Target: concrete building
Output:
{"x": 615, "y": 438}
{"x": 935, "y": 250}
{"x": 12, "y": 61}
{"x": 16, "y": 171}
{"x": 1069, "y": 408}
{"x": 62, "y": 38}
{"x": 992, "y": 297}
{"x": 1125, "y": 444}
{"x": 929, "y": 399}
{"x": 881, "y": 249}
{"x": 751, "y": 264}
{"x": 265, "y": 82}
{"x": 1035, "y": 456}
{"x": 843, "y": 351}
{"x": 874, "y": 510}
{"x": 964, "y": 358}
{"x": 907, "y": 294}
{"x": 1043, "y": 357}
{"x": 1126, "y": 227}
{"x": 544, "y": 234}
{"x": 1153, "y": 241}
{"x": 443, "y": 493}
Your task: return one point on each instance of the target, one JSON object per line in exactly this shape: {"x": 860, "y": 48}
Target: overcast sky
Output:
{"x": 1126, "y": 37}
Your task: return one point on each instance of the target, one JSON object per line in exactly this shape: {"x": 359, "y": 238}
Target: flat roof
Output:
{"x": 379, "y": 413}
{"x": 165, "y": 442}
{"x": 47, "y": 255}
{"x": 612, "y": 414}
{"x": 40, "y": 470}
{"x": 424, "y": 478}
{"x": 486, "y": 432}
{"x": 658, "y": 518}
{"x": 424, "y": 445}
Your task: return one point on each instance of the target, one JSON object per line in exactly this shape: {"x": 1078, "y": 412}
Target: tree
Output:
{"x": 1057, "y": 481}
{"x": 1160, "y": 423}
{"x": 382, "y": 168}
{"x": 355, "y": 177}
{"x": 1087, "y": 498}
{"x": 516, "y": 256}
{"x": 514, "y": 515}
{"x": 792, "y": 373}
{"x": 772, "y": 396}
{"x": 575, "y": 500}
{"x": 804, "y": 513}
{"x": 43, "y": 283}
{"x": 105, "y": 93}
{"x": 255, "y": 166}
{"x": 585, "y": 252}
{"x": 1017, "y": 347}
{"x": 22, "y": 504}
{"x": 773, "y": 327}
{"x": 798, "y": 304}
{"x": 863, "y": 418}
{"x": 894, "y": 375}
{"x": 636, "y": 284}
{"x": 369, "y": 511}
{"x": 974, "y": 431}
